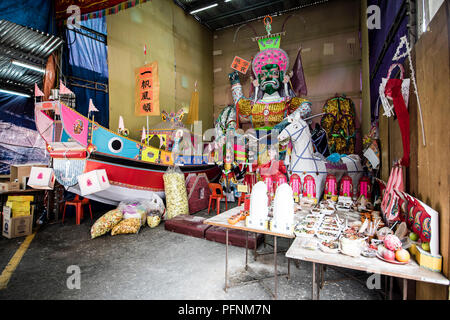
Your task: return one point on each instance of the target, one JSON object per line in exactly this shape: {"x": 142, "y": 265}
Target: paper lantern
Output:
{"x": 309, "y": 187}
{"x": 41, "y": 178}
{"x": 296, "y": 185}
{"x": 346, "y": 187}
{"x": 93, "y": 181}
{"x": 364, "y": 188}
{"x": 330, "y": 188}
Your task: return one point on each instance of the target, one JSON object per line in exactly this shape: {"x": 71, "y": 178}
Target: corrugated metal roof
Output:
{"x": 235, "y": 12}
{"x": 25, "y": 45}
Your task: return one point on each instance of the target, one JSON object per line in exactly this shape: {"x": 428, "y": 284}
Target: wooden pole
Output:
{"x": 146, "y": 134}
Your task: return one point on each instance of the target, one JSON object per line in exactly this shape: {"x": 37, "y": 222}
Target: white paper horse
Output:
{"x": 305, "y": 162}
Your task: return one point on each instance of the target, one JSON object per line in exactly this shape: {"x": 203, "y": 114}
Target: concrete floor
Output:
{"x": 154, "y": 264}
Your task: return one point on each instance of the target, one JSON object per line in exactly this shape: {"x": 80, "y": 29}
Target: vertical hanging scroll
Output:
{"x": 147, "y": 90}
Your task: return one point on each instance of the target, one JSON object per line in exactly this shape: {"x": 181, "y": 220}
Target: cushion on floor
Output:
{"x": 188, "y": 225}
{"x": 235, "y": 237}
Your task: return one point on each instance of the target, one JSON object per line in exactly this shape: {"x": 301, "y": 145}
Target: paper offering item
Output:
{"x": 372, "y": 157}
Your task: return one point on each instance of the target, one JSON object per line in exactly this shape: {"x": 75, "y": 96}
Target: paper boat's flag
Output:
{"x": 144, "y": 134}
{"x": 37, "y": 91}
{"x": 121, "y": 124}
{"x": 63, "y": 89}
{"x": 92, "y": 108}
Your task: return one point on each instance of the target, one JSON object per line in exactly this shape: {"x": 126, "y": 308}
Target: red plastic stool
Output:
{"x": 217, "y": 194}
{"x": 78, "y": 204}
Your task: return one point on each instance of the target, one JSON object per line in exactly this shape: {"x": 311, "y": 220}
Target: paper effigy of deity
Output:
{"x": 273, "y": 100}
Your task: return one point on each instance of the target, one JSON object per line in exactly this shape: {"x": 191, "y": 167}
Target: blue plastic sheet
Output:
{"x": 335, "y": 157}
{"x": 87, "y": 59}
{"x": 20, "y": 142}
{"x": 20, "y": 145}
{"x": 17, "y": 110}
{"x": 36, "y": 14}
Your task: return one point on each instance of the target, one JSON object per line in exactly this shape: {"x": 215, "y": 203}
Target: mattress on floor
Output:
{"x": 188, "y": 225}
{"x": 235, "y": 237}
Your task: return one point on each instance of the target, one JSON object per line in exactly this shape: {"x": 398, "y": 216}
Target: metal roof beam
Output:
{"x": 15, "y": 86}
{"x": 200, "y": 4}
{"x": 90, "y": 33}
{"x": 20, "y": 55}
{"x": 240, "y": 11}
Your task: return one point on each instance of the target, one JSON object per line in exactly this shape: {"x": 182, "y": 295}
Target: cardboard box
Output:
{"x": 21, "y": 198}
{"x": 6, "y": 213}
{"x": 19, "y": 209}
{"x": 16, "y": 227}
{"x": 428, "y": 261}
{"x": 20, "y": 205}
{"x": 20, "y": 171}
{"x": 93, "y": 181}
{"x": 9, "y": 186}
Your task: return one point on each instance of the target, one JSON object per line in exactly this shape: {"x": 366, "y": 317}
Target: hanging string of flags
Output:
{"x": 103, "y": 12}
{"x": 63, "y": 89}
{"x": 92, "y": 108}
{"x": 37, "y": 92}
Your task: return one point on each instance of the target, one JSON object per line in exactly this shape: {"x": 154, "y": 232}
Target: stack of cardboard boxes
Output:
{"x": 18, "y": 177}
{"x": 18, "y": 217}
{"x": 18, "y": 212}
{"x": 16, "y": 227}
{"x": 9, "y": 186}
{"x": 21, "y": 173}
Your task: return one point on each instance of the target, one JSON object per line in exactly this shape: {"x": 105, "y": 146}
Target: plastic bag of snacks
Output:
{"x": 153, "y": 219}
{"x": 156, "y": 205}
{"x": 106, "y": 222}
{"x": 176, "y": 194}
{"x": 126, "y": 226}
{"x": 139, "y": 208}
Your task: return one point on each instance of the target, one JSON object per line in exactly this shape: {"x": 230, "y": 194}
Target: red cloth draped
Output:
{"x": 394, "y": 91}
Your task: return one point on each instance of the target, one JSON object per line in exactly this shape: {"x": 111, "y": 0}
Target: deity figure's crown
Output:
{"x": 270, "y": 52}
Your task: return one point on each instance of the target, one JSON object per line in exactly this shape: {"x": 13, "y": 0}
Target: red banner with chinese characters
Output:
{"x": 240, "y": 65}
{"x": 147, "y": 90}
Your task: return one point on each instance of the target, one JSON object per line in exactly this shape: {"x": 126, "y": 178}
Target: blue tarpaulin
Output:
{"x": 84, "y": 58}
{"x": 17, "y": 110}
{"x": 20, "y": 142}
{"x": 87, "y": 59}
{"x": 36, "y": 14}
